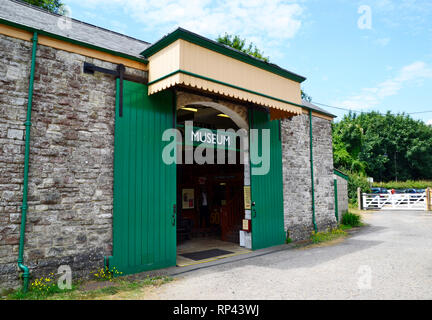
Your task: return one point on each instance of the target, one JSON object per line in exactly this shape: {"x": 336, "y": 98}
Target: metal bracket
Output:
{"x": 90, "y": 68}
{"x": 120, "y": 71}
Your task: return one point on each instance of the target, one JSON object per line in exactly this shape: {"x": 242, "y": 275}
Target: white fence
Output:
{"x": 404, "y": 201}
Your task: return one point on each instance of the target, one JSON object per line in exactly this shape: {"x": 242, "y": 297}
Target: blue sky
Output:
{"x": 360, "y": 55}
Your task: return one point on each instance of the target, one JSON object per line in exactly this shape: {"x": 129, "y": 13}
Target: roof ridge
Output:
{"x": 22, "y": 3}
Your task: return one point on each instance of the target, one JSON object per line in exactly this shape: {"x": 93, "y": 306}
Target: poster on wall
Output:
{"x": 188, "y": 198}
{"x": 247, "y": 197}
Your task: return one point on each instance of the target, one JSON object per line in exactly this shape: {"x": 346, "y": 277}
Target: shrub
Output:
{"x": 357, "y": 180}
{"x": 351, "y": 219}
{"x": 409, "y": 184}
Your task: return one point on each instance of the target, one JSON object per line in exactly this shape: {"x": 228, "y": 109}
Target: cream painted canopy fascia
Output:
{"x": 182, "y": 62}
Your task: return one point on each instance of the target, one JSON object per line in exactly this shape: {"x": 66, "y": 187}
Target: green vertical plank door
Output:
{"x": 267, "y": 190}
{"x": 144, "y": 187}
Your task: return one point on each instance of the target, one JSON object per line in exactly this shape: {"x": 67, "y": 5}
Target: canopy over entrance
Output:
{"x": 185, "y": 58}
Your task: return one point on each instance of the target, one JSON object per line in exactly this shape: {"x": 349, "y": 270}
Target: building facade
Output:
{"x": 341, "y": 194}
{"x": 89, "y": 177}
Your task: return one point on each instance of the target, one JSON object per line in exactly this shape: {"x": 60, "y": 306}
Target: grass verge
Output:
{"x": 79, "y": 291}
{"x": 349, "y": 220}
{"x": 320, "y": 237}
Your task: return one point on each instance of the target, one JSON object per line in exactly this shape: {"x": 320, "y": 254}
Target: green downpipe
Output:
{"x": 108, "y": 259}
{"x": 312, "y": 171}
{"x": 336, "y": 200}
{"x": 27, "y": 124}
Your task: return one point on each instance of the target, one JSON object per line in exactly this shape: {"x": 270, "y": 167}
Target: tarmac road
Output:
{"x": 391, "y": 258}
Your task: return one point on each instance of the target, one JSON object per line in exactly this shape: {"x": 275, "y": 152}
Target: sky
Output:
{"x": 357, "y": 55}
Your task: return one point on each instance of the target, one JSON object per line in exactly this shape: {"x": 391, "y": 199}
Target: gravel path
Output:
{"x": 389, "y": 259}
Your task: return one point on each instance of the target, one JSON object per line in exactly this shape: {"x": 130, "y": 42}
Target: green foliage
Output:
{"x": 234, "y": 41}
{"x": 318, "y": 237}
{"x": 305, "y": 96}
{"x": 351, "y": 220}
{"x": 40, "y": 289}
{"x": 343, "y": 159}
{"x": 105, "y": 274}
{"x": 356, "y": 180}
{"x": 288, "y": 239}
{"x": 77, "y": 292}
{"x": 385, "y": 147}
{"x": 409, "y": 184}
{"x": 54, "y": 6}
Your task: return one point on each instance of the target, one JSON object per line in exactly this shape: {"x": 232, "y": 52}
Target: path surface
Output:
{"x": 389, "y": 259}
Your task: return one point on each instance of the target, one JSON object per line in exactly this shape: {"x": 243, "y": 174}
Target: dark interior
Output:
{"x": 222, "y": 184}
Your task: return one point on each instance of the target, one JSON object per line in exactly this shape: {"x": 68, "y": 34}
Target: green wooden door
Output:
{"x": 144, "y": 230}
{"x": 267, "y": 190}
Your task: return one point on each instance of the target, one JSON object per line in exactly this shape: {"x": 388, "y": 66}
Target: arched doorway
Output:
{"x": 210, "y": 196}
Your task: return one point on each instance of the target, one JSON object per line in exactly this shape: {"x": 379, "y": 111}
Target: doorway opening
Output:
{"x": 210, "y": 197}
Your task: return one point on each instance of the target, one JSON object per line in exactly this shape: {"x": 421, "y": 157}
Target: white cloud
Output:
{"x": 429, "y": 122}
{"x": 414, "y": 73}
{"x": 274, "y": 20}
{"x": 382, "y": 41}
{"x": 412, "y": 16}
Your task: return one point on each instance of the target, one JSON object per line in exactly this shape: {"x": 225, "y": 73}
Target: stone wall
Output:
{"x": 323, "y": 173}
{"x": 342, "y": 195}
{"x": 297, "y": 176}
{"x": 71, "y": 161}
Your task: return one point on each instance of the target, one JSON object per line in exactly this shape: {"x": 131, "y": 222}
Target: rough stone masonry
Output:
{"x": 71, "y": 161}
{"x": 297, "y": 176}
{"x": 71, "y": 164}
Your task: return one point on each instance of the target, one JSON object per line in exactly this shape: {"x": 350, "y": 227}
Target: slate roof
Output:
{"x": 34, "y": 17}
{"x": 309, "y": 105}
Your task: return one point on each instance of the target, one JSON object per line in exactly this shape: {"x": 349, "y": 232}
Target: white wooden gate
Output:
{"x": 385, "y": 201}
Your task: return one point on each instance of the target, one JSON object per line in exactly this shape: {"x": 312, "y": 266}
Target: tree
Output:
{"x": 234, "y": 41}
{"x": 54, "y": 6}
{"x": 389, "y": 147}
{"x": 305, "y": 96}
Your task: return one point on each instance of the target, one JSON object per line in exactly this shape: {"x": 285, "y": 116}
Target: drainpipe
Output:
{"x": 312, "y": 171}
{"x": 336, "y": 200}
{"x": 27, "y": 124}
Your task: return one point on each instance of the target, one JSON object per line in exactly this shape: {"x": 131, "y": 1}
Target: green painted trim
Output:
{"x": 24, "y": 206}
{"x": 237, "y": 87}
{"x": 252, "y": 209}
{"x": 220, "y": 48}
{"x": 340, "y": 174}
{"x": 115, "y": 164}
{"x": 312, "y": 171}
{"x": 318, "y": 111}
{"x": 225, "y": 84}
{"x": 174, "y": 106}
{"x": 77, "y": 42}
{"x": 336, "y": 200}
